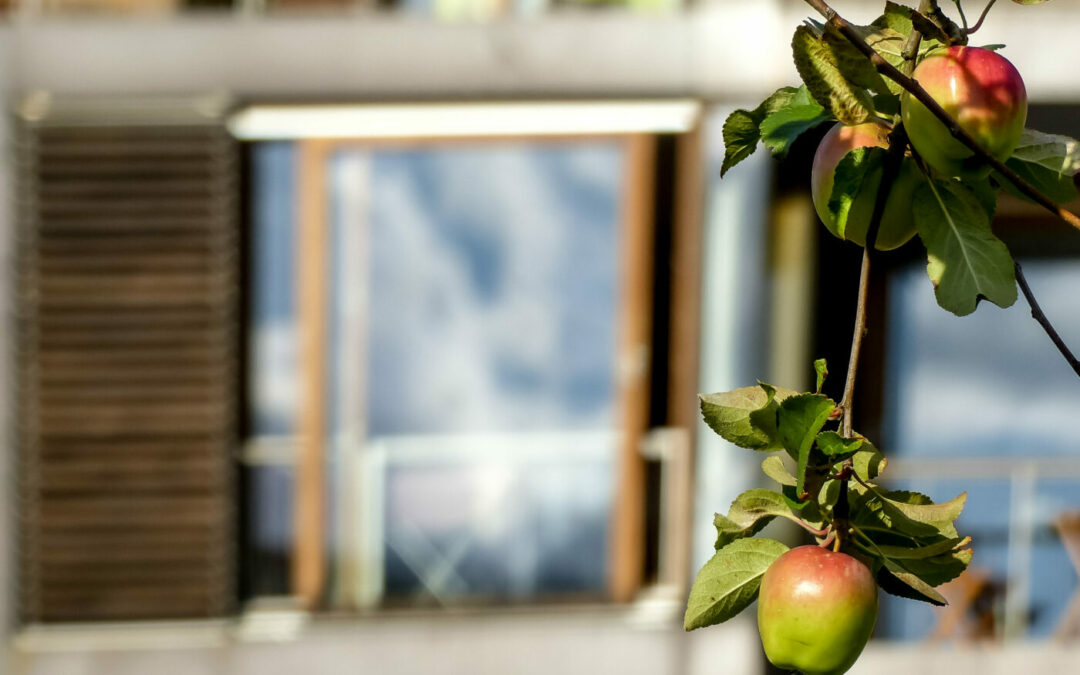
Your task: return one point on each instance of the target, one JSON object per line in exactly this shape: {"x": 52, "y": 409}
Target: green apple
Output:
{"x": 816, "y": 610}
{"x": 982, "y": 91}
{"x": 897, "y": 224}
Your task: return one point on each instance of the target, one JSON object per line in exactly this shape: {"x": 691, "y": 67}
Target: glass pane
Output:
{"x": 268, "y": 528}
{"x": 986, "y": 384}
{"x": 473, "y": 346}
{"x": 499, "y": 518}
{"x": 492, "y": 289}
{"x": 272, "y": 338}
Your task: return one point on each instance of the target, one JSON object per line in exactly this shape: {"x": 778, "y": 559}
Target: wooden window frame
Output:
{"x": 634, "y": 339}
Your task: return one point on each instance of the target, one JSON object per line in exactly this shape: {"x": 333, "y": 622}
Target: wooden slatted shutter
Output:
{"x": 127, "y": 360}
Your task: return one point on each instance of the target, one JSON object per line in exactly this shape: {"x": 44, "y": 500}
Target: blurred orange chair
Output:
{"x": 1068, "y": 527}
{"x": 969, "y": 615}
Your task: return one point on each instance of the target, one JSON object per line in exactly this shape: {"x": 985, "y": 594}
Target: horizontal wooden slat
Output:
{"x": 106, "y": 264}
{"x": 127, "y": 393}
{"x": 107, "y": 425}
{"x": 161, "y": 150}
{"x": 125, "y": 168}
{"x": 104, "y": 375}
{"x": 135, "y": 477}
{"x": 62, "y": 537}
{"x": 84, "y": 319}
{"x": 65, "y": 447}
{"x": 128, "y": 605}
{"x": 68, "y": 243}
{"x": 168, "y": 188}
{"x": 131, "y": 510}
{"x": 133, "y": 284}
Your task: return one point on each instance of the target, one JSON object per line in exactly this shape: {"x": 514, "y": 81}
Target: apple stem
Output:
{"x": 1037, "y": 314}
{"x": 828, "y": 540}
{"x": 978, "y": 24}
{"x": 817, "y": 532}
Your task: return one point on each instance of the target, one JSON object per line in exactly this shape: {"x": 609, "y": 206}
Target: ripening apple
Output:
{"x": 897, "y": 224}
{"x": 982, "y": 91}
{"x": 816, "y": 610}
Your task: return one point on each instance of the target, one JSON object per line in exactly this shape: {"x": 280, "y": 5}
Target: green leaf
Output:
{"x": 887, "y": 36}
{"x": 890, "y": 44}
{"x": 800, "y": 419}
{"x": 1059, "y": 188}
{"x": 928, "y": 28}
{"x": 905, "y": 516}
{"x": 833, "y": 445}
{"x": 822, "y": 370}
{"x": 780, "y": 129}
{"x": 896, "y": 580}
{"x": 896, "y": 17}
{"x": 730, "y": 581}
{"x": 868, "y": 462}
{"x": 1060, "y": 154}
{"x": 912, "y": 570}
{"x": 1048, "y": 162}
{"x": 966, "y": 261}
{"x": 939, "y": 569}
{"x": 887, "y": 104}
{"x": 774, "y": 468}
{"x": 921, "y": 552}
{"x": 742, "y": 128}
{"x": 749, "y": 513}
{"x": 1029, "y": 2}
{"x": 853, "y": 64}
{"x": 859, "y": 171}
{"x": 819, "y": 67}
{"x": 829, "y": 494}
{"x": 984, "y": 192}
{"x": 921, "y": 509}
{"x": 909, "y": 572}
{"x": 746, "y": 416}
{"x": 741, "y": 137}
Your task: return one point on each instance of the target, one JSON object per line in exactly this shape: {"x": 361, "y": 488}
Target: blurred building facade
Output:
{"x": 359, "y": 337}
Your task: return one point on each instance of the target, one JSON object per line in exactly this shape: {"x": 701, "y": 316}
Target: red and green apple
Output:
{"x": 982, "y": 91}
{"x": 816, "y": 610}
{"x": 897, "y": 224}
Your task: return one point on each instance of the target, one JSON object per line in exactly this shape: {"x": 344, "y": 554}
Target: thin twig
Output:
{"x": 978, "y": 24}
{"x": 847, "y": 401}
{"x": 963, "y": 19}
{"x": 958, "y": 132}
{"x": 860, "y": 481}
{"x": 1037, "y": 314}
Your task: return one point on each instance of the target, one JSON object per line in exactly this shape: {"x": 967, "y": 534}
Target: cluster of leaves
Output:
{"x": 910, "y": 544}
{"x": 966, "y": 261}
